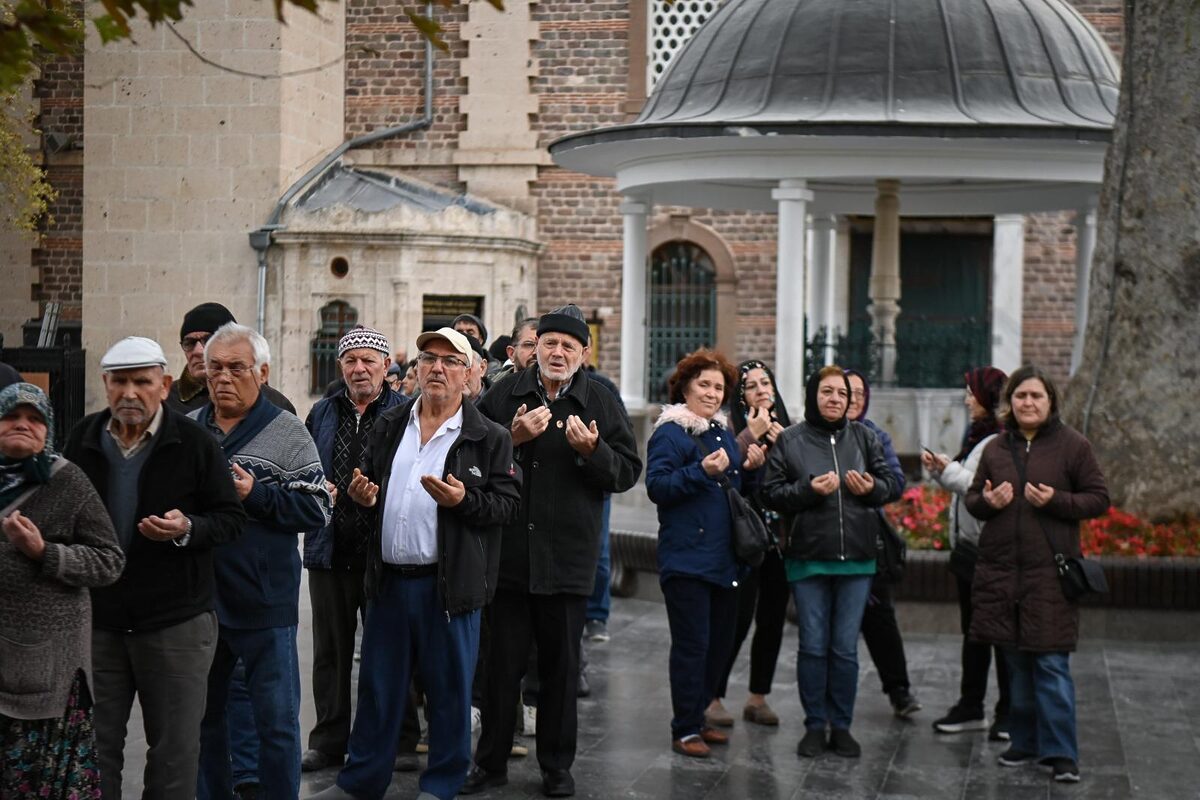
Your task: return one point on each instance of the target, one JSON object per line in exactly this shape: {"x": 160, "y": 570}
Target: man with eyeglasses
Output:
{"x": 278, "y": 478}
{"x": 573, "y": 443}
{"x": 190, "y": 392}
{"x": 167, "y": 487}
{"x": 440, "y": 482}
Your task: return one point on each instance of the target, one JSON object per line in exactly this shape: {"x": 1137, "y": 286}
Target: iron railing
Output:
{"x": 65, "y": 368}
{"x": 928, "y": 353}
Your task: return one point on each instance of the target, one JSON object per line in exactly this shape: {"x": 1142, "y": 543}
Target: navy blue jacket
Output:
{"x": 694, "y": 529}
{"x": 322, "y": 424}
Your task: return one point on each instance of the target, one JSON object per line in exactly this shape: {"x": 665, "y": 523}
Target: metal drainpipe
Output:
{"x": 262, "y": 238}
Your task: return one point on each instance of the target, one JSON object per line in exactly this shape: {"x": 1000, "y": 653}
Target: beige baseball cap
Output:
{"x": 452, "y": 337}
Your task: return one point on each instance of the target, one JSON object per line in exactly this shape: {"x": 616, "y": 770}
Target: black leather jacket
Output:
{"x": 840, "y": 526}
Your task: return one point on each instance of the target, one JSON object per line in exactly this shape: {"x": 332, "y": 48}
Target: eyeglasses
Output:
{"x": 188, "y": 343}
{"x": 528, "y": 344}
{"x": 234, "y": 371}
{"x": 448, "y": 362}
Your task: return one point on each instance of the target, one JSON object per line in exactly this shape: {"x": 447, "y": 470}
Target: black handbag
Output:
{"x": 751, "y": 540}
{"x": 963, "y": 558}
{"x": 1077, "y": 576}
{"x": 891, "y": 551}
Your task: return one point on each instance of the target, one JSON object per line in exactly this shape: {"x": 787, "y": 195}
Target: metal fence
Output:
{"x": 929, "y": 354}
{"x": 65, "y": 368}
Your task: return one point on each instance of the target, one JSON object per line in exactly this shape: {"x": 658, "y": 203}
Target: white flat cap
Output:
{"x": 133, "y": 352}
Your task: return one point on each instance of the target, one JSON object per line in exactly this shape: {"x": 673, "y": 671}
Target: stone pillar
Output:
{"x": 821, "y": 280}
{"x": 1008, "y": 271}
{"x": 839, "y": 312}
{"x": 885, "y": 274}
{"x": 792, "y": 197}
{"x": 633, "y": 304}
{"x": 1085, "y": 247}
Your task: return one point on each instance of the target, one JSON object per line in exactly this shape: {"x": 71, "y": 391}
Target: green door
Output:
{"x": 683, "y": 309}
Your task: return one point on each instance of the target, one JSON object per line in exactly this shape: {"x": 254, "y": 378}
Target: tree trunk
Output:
{"x": 1136, "y": 392}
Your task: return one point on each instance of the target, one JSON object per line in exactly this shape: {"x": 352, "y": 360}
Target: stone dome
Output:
{"x": 886, "y": 66}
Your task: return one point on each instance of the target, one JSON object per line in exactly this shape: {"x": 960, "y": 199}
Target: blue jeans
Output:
{"x": 273, "y": 679}
{"x": 830, "y": 610}
{"x": 702, "y": 617}
{"x": 243, "y": 739}
{"x": 601, "y": 599}
{"x": 1041, "y": 712}
{"x": 406, "y": 626}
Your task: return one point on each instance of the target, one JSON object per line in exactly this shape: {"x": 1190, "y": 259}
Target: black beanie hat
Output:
{"x": 206, "y": 317}
{"x": 566, "y": 319}
{"x": 474, "y": 320}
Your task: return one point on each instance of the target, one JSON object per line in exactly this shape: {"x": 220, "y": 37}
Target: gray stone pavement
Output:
{"x": 1139, "y": 726}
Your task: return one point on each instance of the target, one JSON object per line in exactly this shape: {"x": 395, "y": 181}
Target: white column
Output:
{"x": 839, "y": 314}
{"x": 820, "y": 281}
{"x": 1085, "y": 247}
{"x": 793, "y": 198}
{"x": 1008, "y": 279}
{"x": 633, "y": 304}
{"x": 885, "y": 274}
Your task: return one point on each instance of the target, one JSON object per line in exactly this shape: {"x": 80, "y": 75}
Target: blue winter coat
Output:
{"x": 693, "y": 512}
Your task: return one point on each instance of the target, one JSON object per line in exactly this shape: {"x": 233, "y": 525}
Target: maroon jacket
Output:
{"x": 1016, "y": 594}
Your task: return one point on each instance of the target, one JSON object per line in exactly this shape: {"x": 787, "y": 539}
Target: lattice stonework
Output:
{"x": 671, "y": 26}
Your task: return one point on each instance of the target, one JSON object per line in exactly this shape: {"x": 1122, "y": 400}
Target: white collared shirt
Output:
{"x": 409, "y": 512}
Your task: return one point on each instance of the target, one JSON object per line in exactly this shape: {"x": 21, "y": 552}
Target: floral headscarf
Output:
{"x": 16, "y": 474}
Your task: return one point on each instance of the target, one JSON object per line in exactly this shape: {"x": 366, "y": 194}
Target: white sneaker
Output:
{"x": 529, "y": 720}
{"x": 476, "y": 717}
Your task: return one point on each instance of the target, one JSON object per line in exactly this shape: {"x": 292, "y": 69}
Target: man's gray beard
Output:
{"x": 545, "y": 372}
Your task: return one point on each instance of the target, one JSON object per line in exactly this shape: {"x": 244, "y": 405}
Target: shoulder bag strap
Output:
{"x": 1020, "y": 465}
{"x": 723, "y": 480}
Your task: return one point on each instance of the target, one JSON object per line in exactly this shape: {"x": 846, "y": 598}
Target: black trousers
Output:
{"x": 338, "y": 602}
{"x": 881, "y": 632}
{"x": 977, "y": 662}
{"x": 555, "y": 624}
{"x": 762, "y": 599}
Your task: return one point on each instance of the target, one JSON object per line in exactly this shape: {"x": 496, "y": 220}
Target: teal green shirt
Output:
{"x": 799, "y": 570}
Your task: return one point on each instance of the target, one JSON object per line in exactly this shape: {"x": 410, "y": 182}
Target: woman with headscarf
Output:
{"x": 982, "y": 397}
{"x": 58, "y": 541}
{"x": 1036, "y": 481}
{"x": 830, "y": 474}
{"x": 758, "y": 416}
{"x": 880, "y": 630}
{"x": 690, "y": 459}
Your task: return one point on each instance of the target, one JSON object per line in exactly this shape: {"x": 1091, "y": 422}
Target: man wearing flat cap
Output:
{"x": 440, "y": 482}
{"x": 470, "y": 326}
{"x": 167, "y": 487}
{"x": 336, "y": 555}
{"x": 190, "y": 392}
{"x": 573, "y": 442}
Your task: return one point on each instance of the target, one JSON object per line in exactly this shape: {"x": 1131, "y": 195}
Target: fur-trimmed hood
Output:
{"x": 687, "y": 419}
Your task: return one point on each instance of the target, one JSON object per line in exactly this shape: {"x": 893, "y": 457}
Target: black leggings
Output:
{"x": 762, "y": 599}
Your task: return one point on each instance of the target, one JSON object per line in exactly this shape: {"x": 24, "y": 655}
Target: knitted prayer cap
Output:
{"x": 362, "y": 336}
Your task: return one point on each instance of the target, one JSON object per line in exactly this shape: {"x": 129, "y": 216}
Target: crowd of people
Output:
{"x": 455, "y": 508}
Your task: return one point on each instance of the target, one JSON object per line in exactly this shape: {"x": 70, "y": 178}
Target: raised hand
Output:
{"x": 583, "y": 438}
{"x": 1038, "y": 494}
{"x": 528, "y": 425}
{"x": 243, "y": 481}
{"x": 934, "y": 463}
{"x": 860, "y": 483}
{"x": 169, "y": 526}
{"x": 997, "y": 497}
{"x": 715, "y": 463}
{"x": 759, "y": 422}
{"x": 756, "y": 456}
{"x": 361, "y": 490}
{"x": 446, "y": 493}
{"x": 773, "y": 432}
{"x": 825, "y": 484}
{"x": 24, "y": 535}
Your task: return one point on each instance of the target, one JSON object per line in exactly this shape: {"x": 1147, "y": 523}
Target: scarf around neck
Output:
{"x": 18, "y": 474}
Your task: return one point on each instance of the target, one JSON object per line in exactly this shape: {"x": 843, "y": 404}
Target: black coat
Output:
{"x": 162, "y": 584}
{"x": 554, "y": 544}
{"x": 469, "y": 533}
{"x": 841, "y": 526}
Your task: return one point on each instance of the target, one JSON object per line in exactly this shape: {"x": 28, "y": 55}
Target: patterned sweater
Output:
{"x": 45, "y": 610}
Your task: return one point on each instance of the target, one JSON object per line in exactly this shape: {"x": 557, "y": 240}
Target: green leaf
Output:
{"x": 429, "y": 28}
{"x": 110, "y": 30}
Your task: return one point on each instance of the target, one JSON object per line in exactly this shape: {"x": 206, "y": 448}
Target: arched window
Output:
{"x": 337, "y": 318}
{"x": 683, "y": 309}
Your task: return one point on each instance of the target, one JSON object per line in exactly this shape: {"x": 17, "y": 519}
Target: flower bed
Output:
{"x": 922, "y": 515}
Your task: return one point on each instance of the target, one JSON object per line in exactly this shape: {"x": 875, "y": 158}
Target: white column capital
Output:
{"x": 632, "y": 205}
{"x": 786, "y": 192}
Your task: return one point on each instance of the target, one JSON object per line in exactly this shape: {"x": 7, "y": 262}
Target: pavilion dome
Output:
{"x": 881, "y": 66}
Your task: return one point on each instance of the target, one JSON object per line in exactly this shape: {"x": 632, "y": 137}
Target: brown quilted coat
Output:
{"x": 1016, "y": 594}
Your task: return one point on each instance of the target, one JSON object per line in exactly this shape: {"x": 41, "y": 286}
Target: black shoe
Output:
{"x": 812, "y": 745}
{"x": 843, "y": 744}
{"x": 314, "y": 760}
{"x": 904, "y": 705}
{"x": 480, "y": 780}
{"x": 959, "y": 720}
{"x": 1015, "y": 758}
{"x": 999, "y": 730}
{"x": 557, "y": 783}
{"x": 1065, "y": 770}
{"x": 582, "y": 687}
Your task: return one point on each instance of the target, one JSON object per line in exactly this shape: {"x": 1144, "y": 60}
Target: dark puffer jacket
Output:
{"x": 841, "y": 526}
{"x": 1016, "y": 593}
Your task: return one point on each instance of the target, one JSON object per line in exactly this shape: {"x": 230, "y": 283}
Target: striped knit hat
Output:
{"x": 362, "y": 336}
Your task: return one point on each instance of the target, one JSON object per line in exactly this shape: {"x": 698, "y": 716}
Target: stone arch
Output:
{"x": 682, "y": 228}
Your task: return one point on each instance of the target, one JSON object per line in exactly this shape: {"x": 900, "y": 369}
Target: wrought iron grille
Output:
{"x": 683, "y": 309}
{"x": 337, "y": 318}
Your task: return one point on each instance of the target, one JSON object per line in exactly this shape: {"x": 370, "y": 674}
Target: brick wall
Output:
{"x": 58, "y": 256}
{"x": 1048, "y": 327}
